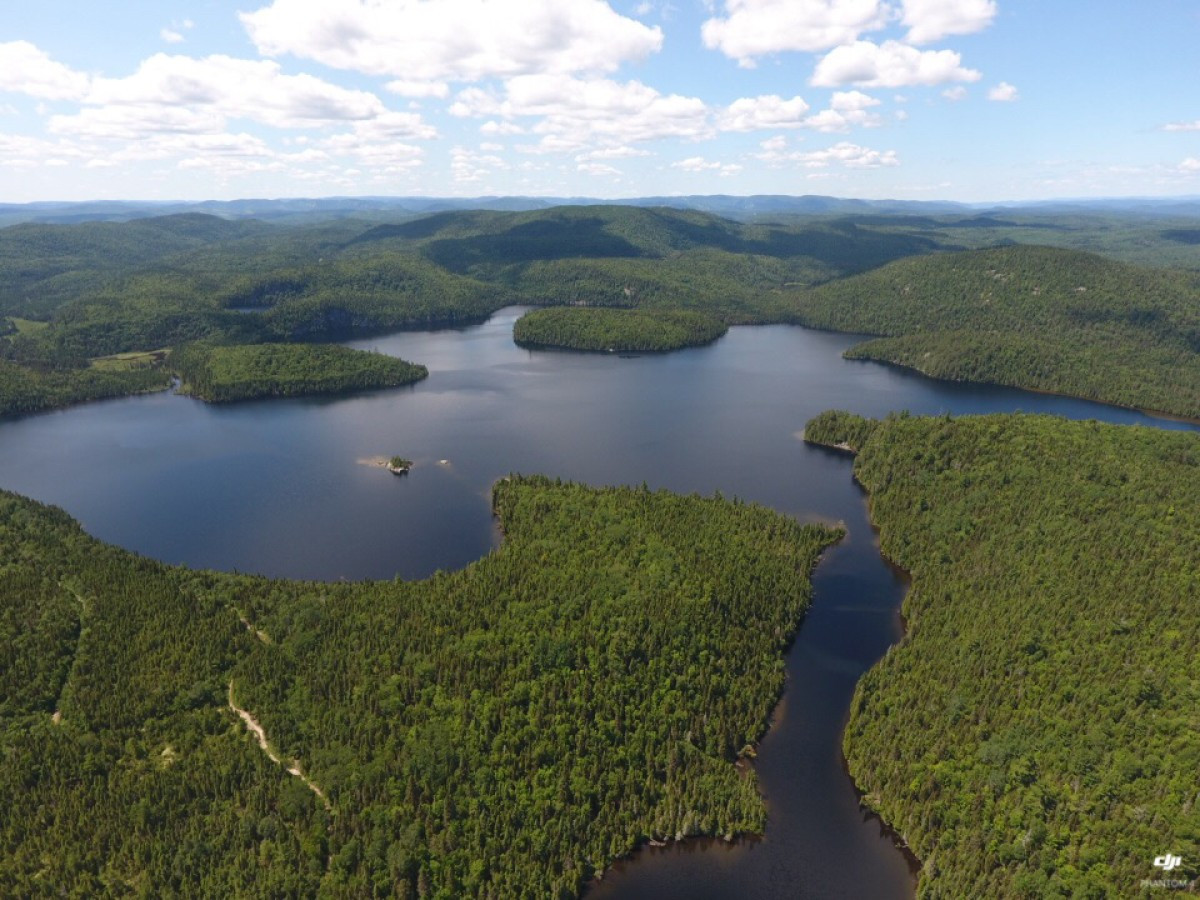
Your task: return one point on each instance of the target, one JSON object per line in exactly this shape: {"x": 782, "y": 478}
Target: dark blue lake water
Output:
{"x": 287, "y": 488}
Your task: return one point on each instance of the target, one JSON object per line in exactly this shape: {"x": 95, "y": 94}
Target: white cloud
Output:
{"x": 134, "y": 122}
{"x": 505, "y": 128}
{"x": 1003, "y": 92}
{"x": 932, "y": 20}
{"x": 890, "y": 64}
{"x": 467, "y": 166}
{"x": 695, "y": 164}
{"x": 700, "y": 164}
{"x": 24, "y": 69}
{"x": 237, "y": 88}
{"x": 173, "y": 33}
{"x": 830, "y": 121}
{"x": 845, "y": 154}
{"x": 846, "y": 109}
{"x": 595, "y": 168}
{"x": 436, "y": 89}
{"x": 373, "y": 150}
{"x": 956, "y": 93}
{"x": 1190, "y": 165}
{"x": 851, "y": 101}
{"x": 774, "y": 144}
{"x": 1182, "y": 126}
{"x": 611, "y": 153}
{"x": 20, "y": 151}
{"x": 179, "y": 108}
{"x": 453, "y": 40}
{"x": 770, "y": 111}
{"x": 753, "y": 28}
{"x": 576, "y": 113}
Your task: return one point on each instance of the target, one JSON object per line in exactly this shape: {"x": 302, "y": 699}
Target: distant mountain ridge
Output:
{"x": 308, "y": 209}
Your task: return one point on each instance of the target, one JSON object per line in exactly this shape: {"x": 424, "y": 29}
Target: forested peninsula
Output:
{"x": 937, "y": 291}
{"x": 221, "y": 374}
{"x": 506, "y": 730}
{"x": 1031, "y": 317}
{"x": 583, "y": 328}
{"x": 1034, "y": 734}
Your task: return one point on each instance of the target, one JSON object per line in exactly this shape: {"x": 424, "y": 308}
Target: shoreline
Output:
{"x": 648, "y": 848}
{"x": 1145, "y": 411}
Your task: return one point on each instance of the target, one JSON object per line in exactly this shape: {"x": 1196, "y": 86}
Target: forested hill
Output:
{"x": 1035, "y": 734}
{"x": 1027, "y": 316}
{"x": 1023, "y": 315}
{"x": 44, "y": 266}
{"x": 507, "y": 730}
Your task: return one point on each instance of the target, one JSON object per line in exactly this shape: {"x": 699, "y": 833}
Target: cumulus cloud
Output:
{"x": 753, "y": 28}
{"x": 467, "y": 166}
{"x": 846, "y": 109}
{"x": 436, "y": 89}
{"x": 1182, "y": 126}
{"x": 502, "y": 128}
{"x": 131, "y": 123}
{"x": 606, "y": 116}
{"x": 851, "y": 101}
{"x": 932, "y": 20}
{"x": 595, "y": 168}
{"x": 770, "y": 111}
{"x": 1191, "y": 165}
{"x": 180, "y": 108}
{"x": 453, "y": 40}
{"x": 574, "y": 113}
{"x": 611, "y": 153}
{"x": 890, "y": 64}
{"x": 25, "y": 69}
{"x": 845, "y": 154}
{"x": 20, "y": 151}
{"x": 700, "y": 164}
{"x": 1003, "y": 92}
{"x": 238, "y": 88}
{"x": 956, "y": 93}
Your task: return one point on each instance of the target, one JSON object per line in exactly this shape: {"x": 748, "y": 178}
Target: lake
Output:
{"x": 287, "y": 488}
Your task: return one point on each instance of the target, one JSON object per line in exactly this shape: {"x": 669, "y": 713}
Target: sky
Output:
{"x": 968, "y": 100}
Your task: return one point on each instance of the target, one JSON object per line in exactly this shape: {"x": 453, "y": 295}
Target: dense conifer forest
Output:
{"x": 1033, "y": 317}
{"x": 506, "y": 730}
{"x": 1029, "y": 316}
{"x": 220, "y": 374}
{"x": 1034, "y": 735}
{"x": 582, "y": 328}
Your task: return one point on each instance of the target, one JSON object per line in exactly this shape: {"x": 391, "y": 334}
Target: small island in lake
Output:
{"x": 226, "y": 373}
{"x": 398, "y": 465}
{"x": 611, "y": 330}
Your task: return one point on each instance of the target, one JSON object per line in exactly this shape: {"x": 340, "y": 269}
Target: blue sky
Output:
{"x": 974, "y": 100}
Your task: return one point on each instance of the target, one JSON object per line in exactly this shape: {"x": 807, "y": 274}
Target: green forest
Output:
{"x": 1033, "y": 317}
{"x": 505, "y": 730}
{"x": 586, "y": 328}
{"x": 220, "y": 374}
{"x": 942, "y": 296}
{"x": 1034, "y": 734}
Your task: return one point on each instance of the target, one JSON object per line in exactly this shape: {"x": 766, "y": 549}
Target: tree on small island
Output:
{"x": 398, "y": 465}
